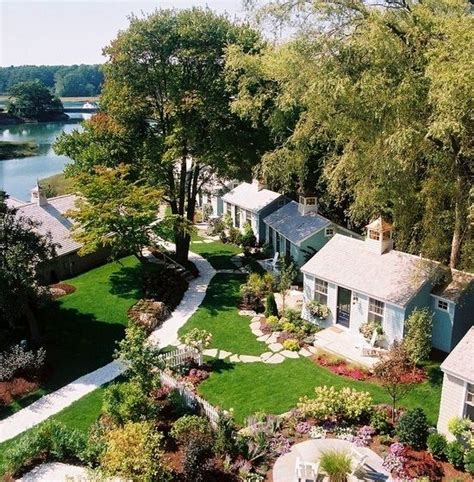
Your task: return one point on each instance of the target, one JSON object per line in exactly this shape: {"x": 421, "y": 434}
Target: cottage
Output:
{"x": 457, "y": 396}
{"x": 211, "y": 194}
{"x": 368, "y": 280}
{"x": 50, "y": 215}
{"x": 299, "y": 231}
{"x": 251, "y": 203}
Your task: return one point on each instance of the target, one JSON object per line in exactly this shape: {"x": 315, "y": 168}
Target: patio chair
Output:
{"x": 306, "y": 471}
{"x": 270, "y": 264}
{"x": 359, "y": 462}
{"x": 368, "y": 348}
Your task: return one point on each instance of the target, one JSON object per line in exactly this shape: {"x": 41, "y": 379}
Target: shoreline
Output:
{"x": 17, "y": 150}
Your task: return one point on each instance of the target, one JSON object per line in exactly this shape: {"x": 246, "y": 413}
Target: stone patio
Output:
{"x": 310, "y": 451}
{"x": 344, "y": 343}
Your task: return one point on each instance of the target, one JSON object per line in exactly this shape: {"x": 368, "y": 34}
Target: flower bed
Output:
{"x": 61, "y": 289}
{"x": 341, "y": 367}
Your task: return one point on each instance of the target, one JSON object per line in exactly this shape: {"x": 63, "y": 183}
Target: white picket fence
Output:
{"x": 180, "y": 356}
{"x": 191, "y": 399}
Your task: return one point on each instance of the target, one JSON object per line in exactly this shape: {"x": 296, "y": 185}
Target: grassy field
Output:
{"x": 57, "y": 185}
{"x": 219, "y": 315}
{"x": 216, "y": 252}
{"x": 258, "y": 387}
{"x": 13, "y": 150}
{"x": 81, "y": 329}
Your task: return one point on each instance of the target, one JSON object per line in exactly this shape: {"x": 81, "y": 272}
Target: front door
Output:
{"x": 344, "y": 297}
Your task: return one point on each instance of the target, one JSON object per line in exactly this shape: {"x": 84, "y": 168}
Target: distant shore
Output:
{"x": 13, "y": 150}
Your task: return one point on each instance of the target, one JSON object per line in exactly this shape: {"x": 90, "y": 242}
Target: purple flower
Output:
{"x": 303, "y": 427}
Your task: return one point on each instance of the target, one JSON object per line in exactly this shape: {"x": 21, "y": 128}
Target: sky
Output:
{"x": 66, "y": 32}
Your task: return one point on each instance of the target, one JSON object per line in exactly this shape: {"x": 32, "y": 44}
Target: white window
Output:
{"x": 376, "y": 310}
{"x": 329, "y": 232}
{"x": 469, "y": 405}
{"x": 442, "y": 305}
{"x": 321, "y": 291}
{"x": 374, "y": 235}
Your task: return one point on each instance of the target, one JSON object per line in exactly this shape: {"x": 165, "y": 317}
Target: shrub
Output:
{"x": 469, "y": 461}
{"x": 291, "y": 344}
{"x": 287, "y": 326}
{"x": 336, "y": 464}
{"x": 417, "y": 340}
{"x": 328, "y": 402}
{"x": 455, "y": 454}
{"x": 420, "y": 464}
{"x": 271, "y": 308}
{"x": 395, "y": 460}
{"x": 303, "y": 427}
{"x": 196, "y": 460}
{"x": 379, "y": 421}
{"x": 197, "y": 338}
{"x": 124, "y": 402}
{"x": 134, "y": 452}
{"x": 225, "y": 435}
{"x": 49, "y": 441}
{"x": 248, "y": 239}
{"x": 459, "y": 426}
{"x": 412, "y": 428}
{"x": 192, "y": 428}
{"x": 436, "y": 444}
{"x": 235, "y": 236}
{"x": 273, "y": 322}
{"x": 367, "y": 329}
{"x": 20, "y": 361}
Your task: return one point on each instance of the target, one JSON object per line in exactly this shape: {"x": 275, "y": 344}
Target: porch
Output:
{"x": 344, "y": 343}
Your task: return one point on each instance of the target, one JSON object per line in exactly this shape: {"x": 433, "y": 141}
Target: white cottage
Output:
{"x": 457, "y": 396}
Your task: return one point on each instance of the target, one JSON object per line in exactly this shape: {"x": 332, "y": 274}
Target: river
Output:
{"x": 18, "y": 176}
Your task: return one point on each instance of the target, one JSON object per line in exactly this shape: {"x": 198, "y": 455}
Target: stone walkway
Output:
{"x": 166, "y": 334}
{"x": 275, "y": 353}
{"x": 310, "y": 451}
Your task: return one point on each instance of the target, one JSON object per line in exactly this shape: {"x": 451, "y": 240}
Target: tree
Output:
{"x": 394, "y": 370}
{"x": 287, "y": 274}
{"x": 115, "y": 212}
{"x": 418, "y": 334}
{"x": 34, "y": 100}
{"x": 386, "y": 88}
{"x": 165, "y": 84}
{"x": 22, "y": 252}
{"x": 271, "y": 308}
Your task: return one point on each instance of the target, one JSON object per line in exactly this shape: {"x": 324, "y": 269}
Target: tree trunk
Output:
{"x": 32, "y": 325}
{"x": 460, "y": 220}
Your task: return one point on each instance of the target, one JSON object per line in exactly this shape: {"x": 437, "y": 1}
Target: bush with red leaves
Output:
{"x": 61, "y": 289}
{"x": 341, "y": 367}
{"x": 15, "y": 388}
{"x": 422, "y": 464}
{"x": 196, "y": 376}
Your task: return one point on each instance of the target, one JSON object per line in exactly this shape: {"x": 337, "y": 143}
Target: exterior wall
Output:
{"x": 463, "y": 316}
{"x": 393, "y": 323}
{"x": 70, "y": 265}
{"x": 442, "y": 325}
{"x": 452, "y": 402}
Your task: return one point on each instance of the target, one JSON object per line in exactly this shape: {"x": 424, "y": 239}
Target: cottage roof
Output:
{"x": 293, "y": 225}
{"x": 52, "y": 219}
{"x": 394, "y": 277}
{"x": 13, "y": 202}
{"x": 460, "y": 362}
{"x": 455, "y": 285}
{"x": 248, "y": 196}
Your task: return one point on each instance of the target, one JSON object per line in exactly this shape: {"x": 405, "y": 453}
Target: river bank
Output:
{"x": 9, "y": 119}
{"x": 17, "y": 150}
{"x": 56, "y": 185}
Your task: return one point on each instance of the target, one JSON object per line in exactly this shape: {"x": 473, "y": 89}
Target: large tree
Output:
{"x": 22, "y": 252}
{"x": 165, "y": 87}
{"x": 389, "y": 88}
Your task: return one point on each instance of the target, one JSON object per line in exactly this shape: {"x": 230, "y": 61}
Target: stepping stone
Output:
{"x": 276, "y": 358}
{"x": 256, "y": 318}
{"x": 263, "y": 338}
{"x": 210, "y": 352}
{"x": 234, "y": 359}
{"x": 289, "y": 354}
{"x": 272, "y": 338}
{"x": 313, "y": 349}
{"x": 207, "y": 240}
{"x": 224, "y": 354}
{"x": 265, "y": 356}
{"x": 249, "y": 358}
{"x": 275, "y": 346}
{"x": 197, "y": 242}
{"x": 247, "y": 313}
{"x": 305, "y": 352}
{"x": 257, "y": 332}
{"x": 255, "y": 325}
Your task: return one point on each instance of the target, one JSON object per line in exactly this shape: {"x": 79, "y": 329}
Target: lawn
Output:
{"x": 219, "y": 314}
{"x": 259, "y": 387}
{"x": 216, "y": 252}
{"x": 80, "y": 329}
{"x": 79, "y": 415}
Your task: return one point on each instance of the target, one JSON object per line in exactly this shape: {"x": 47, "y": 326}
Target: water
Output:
{"x": 18, "y": 176}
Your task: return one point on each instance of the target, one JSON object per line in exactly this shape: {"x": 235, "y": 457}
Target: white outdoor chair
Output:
{"x": 368, "y": 348}
{"x": 359, "y": 462}
{"x": 270, "y": 264}
{"x": 306, "y": 471}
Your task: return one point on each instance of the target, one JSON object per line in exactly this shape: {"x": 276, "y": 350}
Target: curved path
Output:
{"x": 166, "y": 334}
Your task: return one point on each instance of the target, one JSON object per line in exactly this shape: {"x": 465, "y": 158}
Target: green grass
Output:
{"x": 219, "y": 314}
{"x": 57, "y": 185}
{"x": 13, "y": 150}
{"x": 259, "y": 387}
{"x": 80, "y": 329}
{"x": 79, "y": 415}
{"x": 216, "y": 252}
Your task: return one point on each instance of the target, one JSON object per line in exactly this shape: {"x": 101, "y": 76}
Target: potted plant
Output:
{"x": 336, "y": 464}
{"x": 318, "y": 310}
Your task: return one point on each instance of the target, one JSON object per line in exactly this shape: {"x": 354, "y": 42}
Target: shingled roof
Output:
{"x": 455, "y": 285}
{"x": 394, "y": 277}
{"x": 460, "y": 362}
{"x": 249, "y": 196}
{"x": 52, "y": 219}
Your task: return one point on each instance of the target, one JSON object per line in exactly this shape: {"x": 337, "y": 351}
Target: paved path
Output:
{"x": 166, "y": 334}
{"x": 310, "y": 451}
